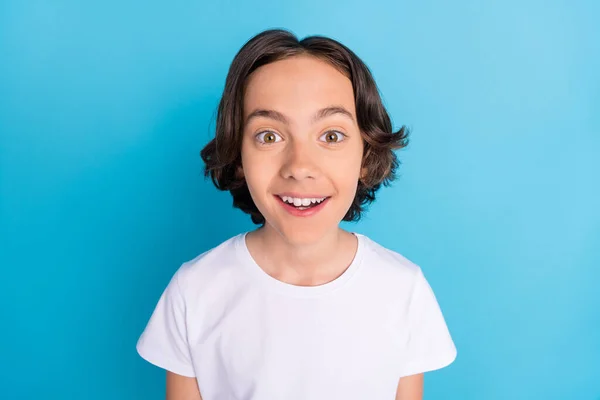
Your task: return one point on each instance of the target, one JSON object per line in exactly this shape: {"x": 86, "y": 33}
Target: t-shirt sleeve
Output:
{"x": 429, "y": 345}
{"x": 164, "y": 341}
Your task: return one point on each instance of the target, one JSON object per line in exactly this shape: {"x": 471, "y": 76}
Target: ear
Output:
{"x": 363, "y": 174}
{"x": 239, "y": 172}
{"x": 364, "y": 171}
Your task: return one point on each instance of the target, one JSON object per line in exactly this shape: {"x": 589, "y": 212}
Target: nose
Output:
{"x": 299, "y": 162}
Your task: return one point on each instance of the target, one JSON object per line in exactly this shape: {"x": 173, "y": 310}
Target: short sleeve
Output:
{"x": 429, "y": 345}
{"x": 164, "y": 341}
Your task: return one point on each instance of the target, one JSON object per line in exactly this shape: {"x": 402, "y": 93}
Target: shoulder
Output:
{"x": 387, "y": 259}
{"x": 210, "y": 269}
{"x": 386, "y": 265}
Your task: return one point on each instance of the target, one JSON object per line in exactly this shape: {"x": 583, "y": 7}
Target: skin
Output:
{"x": 287, "y": 148}
{"x": 300, "y": 158}
{"x": 182, "y": 387}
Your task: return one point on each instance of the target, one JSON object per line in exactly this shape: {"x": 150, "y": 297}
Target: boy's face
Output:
{"x": 294, "y": 152}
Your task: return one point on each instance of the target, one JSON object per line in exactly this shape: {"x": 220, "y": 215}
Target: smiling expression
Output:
{"x": 302, "y": 148}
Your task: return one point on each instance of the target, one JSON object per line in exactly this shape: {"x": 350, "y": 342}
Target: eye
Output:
{"x": 268, "y": 137}
{"x": 333, "y": 137}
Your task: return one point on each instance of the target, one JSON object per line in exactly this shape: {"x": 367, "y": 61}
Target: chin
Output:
{"x": 300, "y": 231}
{"x": 304, "y": 233}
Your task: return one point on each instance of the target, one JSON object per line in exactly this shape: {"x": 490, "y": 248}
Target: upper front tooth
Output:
{"x": 298, "y": 201}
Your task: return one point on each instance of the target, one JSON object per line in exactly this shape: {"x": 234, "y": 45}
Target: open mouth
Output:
{"x": 302, "y": 203}
{"x": 302, "y": 206}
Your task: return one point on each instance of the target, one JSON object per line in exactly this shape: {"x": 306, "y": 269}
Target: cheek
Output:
{"x": 347, "y": 178}
{"x": 347, "y": 181}
{"x": 346, "y": 168}
{"x": 258, "y": 171}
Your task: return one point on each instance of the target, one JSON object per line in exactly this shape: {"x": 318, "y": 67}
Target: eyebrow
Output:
{"x": 322, "y": 113}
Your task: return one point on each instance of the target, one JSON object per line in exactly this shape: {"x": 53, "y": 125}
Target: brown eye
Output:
{"x": 268, "y": 137}
{"x": 334, "y": 137}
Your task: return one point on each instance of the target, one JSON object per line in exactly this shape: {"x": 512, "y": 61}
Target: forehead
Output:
{"x": 298, "y": 86}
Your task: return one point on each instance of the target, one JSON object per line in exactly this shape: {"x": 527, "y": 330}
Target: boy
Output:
{"x": 299, "y": 309}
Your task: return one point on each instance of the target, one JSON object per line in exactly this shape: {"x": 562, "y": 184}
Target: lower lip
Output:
{"x": 302, "y": 213}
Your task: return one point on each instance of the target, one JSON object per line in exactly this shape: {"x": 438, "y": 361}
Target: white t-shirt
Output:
{"x": 245, "y": 335}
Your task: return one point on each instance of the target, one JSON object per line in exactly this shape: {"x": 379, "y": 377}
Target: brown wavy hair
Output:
{"x": 222, "y": 155}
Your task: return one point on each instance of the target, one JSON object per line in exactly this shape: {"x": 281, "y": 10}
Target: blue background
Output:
{"x": 104, "y": 107}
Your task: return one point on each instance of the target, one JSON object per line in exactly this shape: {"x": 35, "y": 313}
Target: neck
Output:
{"x": 306, "y": 264}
